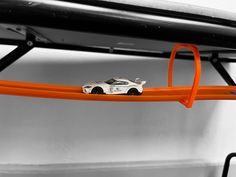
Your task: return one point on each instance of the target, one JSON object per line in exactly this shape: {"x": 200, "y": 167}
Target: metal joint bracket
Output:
{"x": 18, "y": 52}
{"x": 214, "y": 60}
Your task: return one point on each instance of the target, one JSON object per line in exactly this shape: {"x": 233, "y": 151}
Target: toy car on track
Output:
{"x": 115, "y": 85}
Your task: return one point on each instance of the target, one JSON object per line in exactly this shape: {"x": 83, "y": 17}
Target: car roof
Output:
{"x": 122, "y": 79}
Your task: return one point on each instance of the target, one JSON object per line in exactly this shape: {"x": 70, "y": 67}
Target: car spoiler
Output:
{"x": 139, "y": 81}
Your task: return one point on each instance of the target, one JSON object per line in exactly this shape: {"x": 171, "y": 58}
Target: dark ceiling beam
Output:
{"x": 110, "y": 21}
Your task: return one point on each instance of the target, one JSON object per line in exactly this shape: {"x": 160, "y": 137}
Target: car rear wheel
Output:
{"x": 97, "y": 90}
{"x": 133, "y": 91}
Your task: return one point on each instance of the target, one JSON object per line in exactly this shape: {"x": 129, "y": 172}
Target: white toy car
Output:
{"x": 115, "y": 85}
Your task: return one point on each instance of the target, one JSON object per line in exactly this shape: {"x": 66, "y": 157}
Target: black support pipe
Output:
{"x": 15, "y": 55}
{"x": 221, "y": 70}
{"x": 227, "y": 164}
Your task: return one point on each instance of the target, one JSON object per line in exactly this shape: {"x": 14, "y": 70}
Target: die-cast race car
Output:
{"x": 115, "y": 85}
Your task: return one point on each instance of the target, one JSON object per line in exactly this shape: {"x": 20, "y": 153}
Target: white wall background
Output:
{"x": 38, "y": 131}
{"x": 227, "y": 5}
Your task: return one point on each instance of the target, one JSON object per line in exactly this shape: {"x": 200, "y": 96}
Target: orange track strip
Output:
{"x": 149, "y": 94}
{"x": 184, "y": 94}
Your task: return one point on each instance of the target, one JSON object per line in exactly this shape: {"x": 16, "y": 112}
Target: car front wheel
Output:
{"x": 97, "y": 90}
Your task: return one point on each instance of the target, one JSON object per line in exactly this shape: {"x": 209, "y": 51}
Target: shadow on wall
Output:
{"x": 35, "y": 131}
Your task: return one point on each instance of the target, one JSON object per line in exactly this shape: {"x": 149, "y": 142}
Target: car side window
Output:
{"x": 124, "y": 83}
{"x": 116, "y": 83}
{"x": 120, "y": 83}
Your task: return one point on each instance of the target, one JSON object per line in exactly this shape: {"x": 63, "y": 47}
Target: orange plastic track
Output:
{"x": 184, "y": 94}
{"x": 188, "y": 102}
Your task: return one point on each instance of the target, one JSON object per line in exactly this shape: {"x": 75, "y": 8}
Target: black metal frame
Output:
{"x": 227, "y": 164}
{"x": 30, "y": 42}
{"x": 59, "y": 17}
{"x": 216, "y": 63}
{"x": 18, "y": 52}
{"x": 25, "y": 46}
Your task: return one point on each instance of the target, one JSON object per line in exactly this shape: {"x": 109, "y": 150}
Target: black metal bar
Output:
{"x": 166, "y": 55}
{"x": 228, "y": 60}
{"x": 227, "y": 164}
{"x": 157, "y": 11}
{"x": 15, "y": 55}
{"x": 221, "y": 51}
{"x": 221, "y": 70}
{"x": 104, "y": 20}
{"x": 11, "y": 41}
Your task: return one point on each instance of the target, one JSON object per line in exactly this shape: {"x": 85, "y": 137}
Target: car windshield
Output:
{"x": 110, "y": 81}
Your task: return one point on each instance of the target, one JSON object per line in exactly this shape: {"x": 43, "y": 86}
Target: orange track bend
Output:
{"x": 183, "y": 94}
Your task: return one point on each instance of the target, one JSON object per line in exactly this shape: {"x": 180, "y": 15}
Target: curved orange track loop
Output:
{"x": 188, "y": 102}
